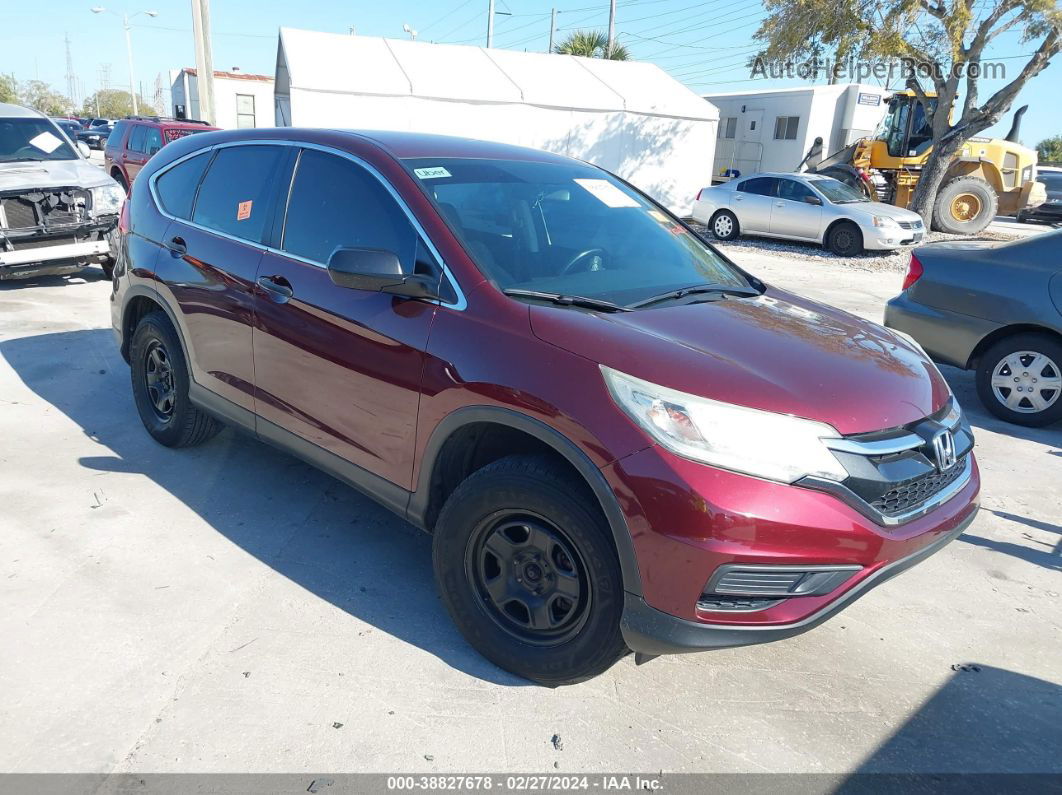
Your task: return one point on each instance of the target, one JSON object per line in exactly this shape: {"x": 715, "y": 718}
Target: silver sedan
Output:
{"x": 806, "y": 207}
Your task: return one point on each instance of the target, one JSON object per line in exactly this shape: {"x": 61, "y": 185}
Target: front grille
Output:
{"x": 910, "y": 224}
{"x": 20, "y": 213}
{"x": 912, "y": 493}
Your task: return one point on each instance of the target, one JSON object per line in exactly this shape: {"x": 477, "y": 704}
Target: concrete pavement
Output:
{"x": 228, "y": 608}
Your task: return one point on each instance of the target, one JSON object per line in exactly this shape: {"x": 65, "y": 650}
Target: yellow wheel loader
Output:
{"x": 990, "y": 176}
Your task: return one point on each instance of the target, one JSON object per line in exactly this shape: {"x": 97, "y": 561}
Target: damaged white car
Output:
{"x": 58, "y": 212}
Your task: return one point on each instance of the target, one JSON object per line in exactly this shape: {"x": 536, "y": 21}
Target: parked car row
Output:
{"x": 133, "y": 141}
{"x": 58, "y": 212}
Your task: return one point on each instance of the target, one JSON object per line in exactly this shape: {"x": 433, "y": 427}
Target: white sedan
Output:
{"x": 806, "y": 207}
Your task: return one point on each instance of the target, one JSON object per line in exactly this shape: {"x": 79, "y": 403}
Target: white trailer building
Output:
{"x": 772, "y": 130}
{"x": 240, "y": 99}
{"x": 630, "y": 118}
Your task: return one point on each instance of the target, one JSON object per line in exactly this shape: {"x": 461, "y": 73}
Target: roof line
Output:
{"x": 659, "y": 114}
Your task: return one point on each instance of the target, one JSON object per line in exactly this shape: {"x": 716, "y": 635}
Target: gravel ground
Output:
{"x": 812, "y": 252}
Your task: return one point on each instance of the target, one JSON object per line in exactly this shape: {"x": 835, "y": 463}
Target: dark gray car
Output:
{"x": 993, "y": 308}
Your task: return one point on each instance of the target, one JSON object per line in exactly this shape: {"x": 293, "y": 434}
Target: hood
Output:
{"x": 32, "y": 174}
{"x": 775, "y": 352}
{"x": 885, "y": 210}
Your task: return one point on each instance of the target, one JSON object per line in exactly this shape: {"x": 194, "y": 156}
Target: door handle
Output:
{"x": 276, "y": 287}
{"x": 177, "y": 246}
{"x": 779, "y": 204}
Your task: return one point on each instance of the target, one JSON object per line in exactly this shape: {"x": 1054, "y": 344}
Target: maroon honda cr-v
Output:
{"x": 619, "y": 439}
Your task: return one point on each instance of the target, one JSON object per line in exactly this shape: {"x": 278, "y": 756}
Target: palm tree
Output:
{"x": 592, "y": 44}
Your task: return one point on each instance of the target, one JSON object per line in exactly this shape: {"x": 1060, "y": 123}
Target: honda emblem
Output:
{"x": 944, "y": 450}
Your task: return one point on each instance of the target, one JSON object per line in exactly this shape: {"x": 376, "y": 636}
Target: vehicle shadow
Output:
{"x": 1049, "y": 556}
{"x": 90, "y": 274}
{"x": 342, "y": 548}
{"x": 982, "y": 720}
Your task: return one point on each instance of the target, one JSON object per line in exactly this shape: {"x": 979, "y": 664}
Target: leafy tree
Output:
{"x": 1050, "y": 150}
{"x": 943, "y": 42}
{"x": 592, "y": 44}
{"x": 39, "y": 95}
{"x": 8, "y": 89}
{"x": 115, "y": 103}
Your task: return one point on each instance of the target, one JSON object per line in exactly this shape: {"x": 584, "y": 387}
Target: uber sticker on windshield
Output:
{"x": 606, "y": 192}
{"x": 46, "y": 142}
{"x": 243, "y": 211}
{"x": 432, "y": 172}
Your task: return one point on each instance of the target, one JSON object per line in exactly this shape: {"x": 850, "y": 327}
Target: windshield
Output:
{"x": 837, "y": 192}
{"x": 569, "y": 229}
{"x": 32, "y": 139}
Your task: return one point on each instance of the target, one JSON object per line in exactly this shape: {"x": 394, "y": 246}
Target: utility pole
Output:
{"x": 552, "y": 28}
{"x": 71, "y": 76}
{"x": 611, "y": 28}
{"x": 490, "y": 23}
{"x": 204, "y": 60}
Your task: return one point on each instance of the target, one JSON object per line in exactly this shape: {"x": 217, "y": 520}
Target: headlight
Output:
{"x": 761, "y": 443}
{"x": 107, "y": 199}
{"x": 881, "y": 220}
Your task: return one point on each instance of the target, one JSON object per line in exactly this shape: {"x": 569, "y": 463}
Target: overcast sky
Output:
{"x": 703, "y": 44}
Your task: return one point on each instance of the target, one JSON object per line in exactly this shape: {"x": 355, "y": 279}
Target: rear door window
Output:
{"x": 176, "y": 187}
{"x": 762, "y": 186}
{"x": 237, "y": 193}
{"x": 337, "y": 203}
{"x": 136, "y": 138}
{"x": 152, "y": 140}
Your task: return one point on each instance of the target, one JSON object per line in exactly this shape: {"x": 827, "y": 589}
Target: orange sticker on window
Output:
{"x": 243, "y": 211}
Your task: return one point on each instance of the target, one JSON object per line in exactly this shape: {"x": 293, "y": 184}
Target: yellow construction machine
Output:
{"x": 990, "y": 176}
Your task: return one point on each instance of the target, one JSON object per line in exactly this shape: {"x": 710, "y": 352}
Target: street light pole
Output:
{"x": 611, "y": 28}
{"x": 128, "y": 49}
{"x": 129, "y": 55}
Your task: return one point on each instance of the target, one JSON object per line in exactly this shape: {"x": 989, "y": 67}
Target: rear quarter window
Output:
{"x": 176, "y": 187}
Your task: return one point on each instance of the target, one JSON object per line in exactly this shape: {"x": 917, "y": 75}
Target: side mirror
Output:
{"x": 813, "y": 200}
{"x": 378, "y": 271}
{"x": 83, "y": 149}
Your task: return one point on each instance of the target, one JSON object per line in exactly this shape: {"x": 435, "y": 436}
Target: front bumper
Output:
{"x": 688, "y": 521}
{"x": 652, "y": 632}
{"x": 886, "y": 238}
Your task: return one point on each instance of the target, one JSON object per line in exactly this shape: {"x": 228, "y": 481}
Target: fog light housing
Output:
{"x": 747, "y": 587}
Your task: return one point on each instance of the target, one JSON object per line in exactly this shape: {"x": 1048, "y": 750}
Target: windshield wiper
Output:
{"x": 682, "y": 292}
{"x": 569, "y": 300}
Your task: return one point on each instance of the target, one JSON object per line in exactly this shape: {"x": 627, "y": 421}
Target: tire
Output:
{"x": 845, "y": 239}
{"x": 724, "y": 225}
{"x": 965, "y": 206}
{"x": 517, "y": 525}
{"x": 998, "y": 390}
{"x": 1020, "y": 217}
{"x": 159, "y": 374}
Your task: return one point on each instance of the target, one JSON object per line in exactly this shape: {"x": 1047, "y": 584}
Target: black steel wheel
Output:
{"x": 531, "y": 579}
{"x": 160, "y": 382}
{"x": 528, "y": 570}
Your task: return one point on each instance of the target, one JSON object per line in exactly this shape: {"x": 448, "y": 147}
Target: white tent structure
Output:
{"x": 628, "y": 117}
